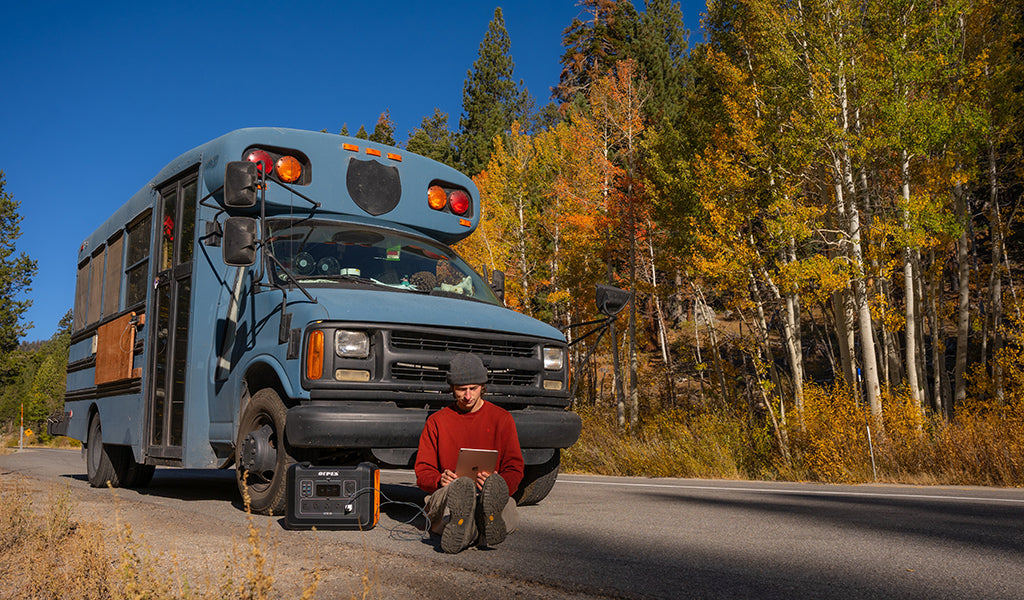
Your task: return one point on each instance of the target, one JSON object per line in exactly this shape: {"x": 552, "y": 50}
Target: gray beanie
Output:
{"x": 467, "y": 369}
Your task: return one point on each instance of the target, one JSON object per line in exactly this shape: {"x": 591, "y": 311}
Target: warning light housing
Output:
{"x": 449, "y": 198}
{"x": 283, "y": 164}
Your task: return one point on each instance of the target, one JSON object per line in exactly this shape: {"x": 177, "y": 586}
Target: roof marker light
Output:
{"x": 459, "y": 202}
{"x": 264, "y": 162}
{"x": 289, "y": 169}
{"x": 436, "y": 197}
{"x": 373, "y": 152}
{"x": 351, "y": 147}
{"x": 394, "y": 156}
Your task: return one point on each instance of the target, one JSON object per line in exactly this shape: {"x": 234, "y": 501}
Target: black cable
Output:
{"x": 394, "y": 532}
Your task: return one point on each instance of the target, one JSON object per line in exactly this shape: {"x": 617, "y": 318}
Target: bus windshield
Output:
{"x": 319, "y": 252}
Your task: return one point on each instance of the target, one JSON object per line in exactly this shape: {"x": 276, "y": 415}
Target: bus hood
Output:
{"x": 384, "y": 307}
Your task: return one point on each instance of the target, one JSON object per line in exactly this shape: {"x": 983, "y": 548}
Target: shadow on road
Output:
{"x": 400, "y": 503}
{"x": 970, "y": 525}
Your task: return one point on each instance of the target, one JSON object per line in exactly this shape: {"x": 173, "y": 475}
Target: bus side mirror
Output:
{"x": 240, "y": 182}
{"x": 611, "y": 300}
{"x": 498, "y": 284}
{"x": 239, "y": 244}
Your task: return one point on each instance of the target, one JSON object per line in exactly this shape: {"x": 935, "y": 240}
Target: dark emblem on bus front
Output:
{"x": 374, "y": 187}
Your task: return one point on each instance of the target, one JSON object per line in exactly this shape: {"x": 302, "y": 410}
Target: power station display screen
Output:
{"x": 331, "y": 490}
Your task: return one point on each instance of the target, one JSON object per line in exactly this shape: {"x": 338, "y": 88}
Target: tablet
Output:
{"x": 472, "y": 460}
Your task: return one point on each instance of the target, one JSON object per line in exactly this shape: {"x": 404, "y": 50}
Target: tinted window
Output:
{"x": 138, "y": 261}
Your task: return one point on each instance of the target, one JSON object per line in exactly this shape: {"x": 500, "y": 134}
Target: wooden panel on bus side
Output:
{"x": 115, "y": 350}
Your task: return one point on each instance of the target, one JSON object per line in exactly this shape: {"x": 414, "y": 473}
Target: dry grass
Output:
{"x": 983, "y": 445}
{"x": 668, "y": 444}
{"x": 46, "y": 554}
{"x": 10, "y": 442}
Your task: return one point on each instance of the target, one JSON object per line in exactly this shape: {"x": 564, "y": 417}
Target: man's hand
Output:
{"x": 481, "y": 477}
{"x": 447, "y": 476}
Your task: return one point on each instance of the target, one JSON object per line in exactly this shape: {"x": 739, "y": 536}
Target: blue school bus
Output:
{"x": 275, "y": 296}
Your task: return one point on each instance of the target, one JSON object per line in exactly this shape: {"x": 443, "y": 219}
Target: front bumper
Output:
{"x": 371, "y": 425}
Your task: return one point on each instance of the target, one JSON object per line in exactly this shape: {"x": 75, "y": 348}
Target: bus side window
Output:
{"x": 81, "y": 293}
{"x": 112, "y": 276}
{"x": 92, "y": 313}
{"x": 137, "y": 260}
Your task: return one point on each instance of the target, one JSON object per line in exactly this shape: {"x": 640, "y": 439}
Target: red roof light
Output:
{"x": 264, "y": 162}
{"x": 459, "y": 202}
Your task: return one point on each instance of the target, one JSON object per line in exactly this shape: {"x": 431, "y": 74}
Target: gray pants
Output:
{"x": 437, "y": 511}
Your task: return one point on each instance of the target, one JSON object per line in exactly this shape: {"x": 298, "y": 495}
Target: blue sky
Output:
{"x": 97, "y": 97}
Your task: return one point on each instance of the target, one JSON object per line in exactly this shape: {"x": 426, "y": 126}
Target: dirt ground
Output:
{"x": 201, "y": 536}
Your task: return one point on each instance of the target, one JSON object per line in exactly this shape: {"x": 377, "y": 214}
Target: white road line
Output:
{"x": 794, "y": 491}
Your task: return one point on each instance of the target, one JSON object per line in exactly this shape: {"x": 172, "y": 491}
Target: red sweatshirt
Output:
{"x": 448, "y": 430}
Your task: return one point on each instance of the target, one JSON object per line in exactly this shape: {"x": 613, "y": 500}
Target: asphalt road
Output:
{"x": 610, "y": 537}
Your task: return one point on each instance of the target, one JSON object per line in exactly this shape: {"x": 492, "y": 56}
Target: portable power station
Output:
{"x": 333, "y": 497}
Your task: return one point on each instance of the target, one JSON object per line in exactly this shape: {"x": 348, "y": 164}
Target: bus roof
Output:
{"x": 344, "y": 175}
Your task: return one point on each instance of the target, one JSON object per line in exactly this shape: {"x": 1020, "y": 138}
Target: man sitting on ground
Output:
{"x": 478, "y": 510}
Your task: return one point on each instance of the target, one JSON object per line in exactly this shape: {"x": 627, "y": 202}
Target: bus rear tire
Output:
{"x": 262, "y": 459}
{"x": 138, "y": 475}
{"x": 538, "y": 481}
{"x": 105, "y": 464}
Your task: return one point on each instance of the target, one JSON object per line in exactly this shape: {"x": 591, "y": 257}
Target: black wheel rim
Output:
{"x": 259, "y": 448}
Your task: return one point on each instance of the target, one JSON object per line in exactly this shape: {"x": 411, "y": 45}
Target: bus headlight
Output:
{"x": 351, "y": 344}
{"x": 554, "y": 358}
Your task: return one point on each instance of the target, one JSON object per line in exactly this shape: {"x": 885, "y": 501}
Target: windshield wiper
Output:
{"x": 369, "y": 281}
{"x": 457, "y": 295}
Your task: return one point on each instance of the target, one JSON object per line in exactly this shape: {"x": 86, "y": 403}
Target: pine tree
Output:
{"x": 594, "y": 46}
{"x": 661, "y": 44}
{"x": 16, "y": 274}
{"x": 37, "y": 378}
{"x": 491, "y": 99}
{"x": 344, "y": 129}
{"x": 384, "y": 130}
{"x": 433, "y": 139}
{"x": 361, "y": 134}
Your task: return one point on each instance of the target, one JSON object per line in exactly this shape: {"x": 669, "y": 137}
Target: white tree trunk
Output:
{"x": 869, "y": 360}
{"x": 909, "y": 293}
{"x": 791, "y": 334}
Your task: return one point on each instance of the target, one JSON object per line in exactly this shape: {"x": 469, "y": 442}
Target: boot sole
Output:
{"x": 493, "y": 499}
{"x": 461, "y": 505}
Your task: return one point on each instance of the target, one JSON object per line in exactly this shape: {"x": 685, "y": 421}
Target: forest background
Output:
{"x": 816, "y": 210}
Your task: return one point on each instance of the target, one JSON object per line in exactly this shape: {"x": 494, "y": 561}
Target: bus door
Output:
{"x": 171, "y": 309}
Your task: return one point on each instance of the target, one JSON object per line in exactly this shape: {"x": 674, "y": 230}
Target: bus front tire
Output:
{"x": 262, "y": 459}
{"x": 538, "y": 481}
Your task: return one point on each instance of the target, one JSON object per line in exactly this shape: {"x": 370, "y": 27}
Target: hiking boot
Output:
{"x": 493, "y": 498}
{"x": 458, "y": 534}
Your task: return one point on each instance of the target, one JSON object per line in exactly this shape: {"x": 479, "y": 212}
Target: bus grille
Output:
{"x": 408, "y": 341}
{"x": 419, "y": 341}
